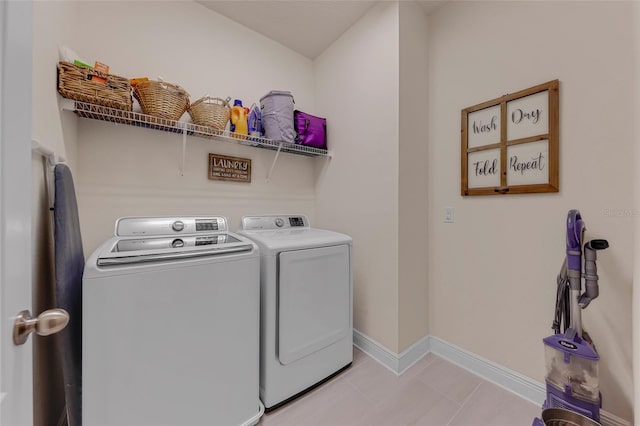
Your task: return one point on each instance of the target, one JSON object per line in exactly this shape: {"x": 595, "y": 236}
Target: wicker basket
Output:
{"x": 161, "y": 99}
{"x": 80, "y": 84}
{"x": 211, "y": 112}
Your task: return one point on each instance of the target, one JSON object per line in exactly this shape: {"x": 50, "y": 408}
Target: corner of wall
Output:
{"x": 357, "y": 191}
{"x": 413, "y": 175}
{"x": 636, "y": 204}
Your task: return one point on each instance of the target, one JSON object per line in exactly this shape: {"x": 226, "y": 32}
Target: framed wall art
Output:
{"x": 510, "y": 144}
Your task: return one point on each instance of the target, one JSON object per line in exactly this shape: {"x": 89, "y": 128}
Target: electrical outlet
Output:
{"x": 448, "y": 215}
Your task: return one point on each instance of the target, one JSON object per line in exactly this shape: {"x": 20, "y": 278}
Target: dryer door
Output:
{"x": 314, "y": 295}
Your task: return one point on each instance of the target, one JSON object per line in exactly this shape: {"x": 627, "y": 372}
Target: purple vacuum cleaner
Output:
{"x": 571, "y": 359}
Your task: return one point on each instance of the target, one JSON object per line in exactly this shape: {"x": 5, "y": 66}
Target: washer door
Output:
{"x": 314, "y": 296}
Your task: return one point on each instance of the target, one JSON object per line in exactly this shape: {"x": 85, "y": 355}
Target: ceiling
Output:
{"x": 305, "y": 26}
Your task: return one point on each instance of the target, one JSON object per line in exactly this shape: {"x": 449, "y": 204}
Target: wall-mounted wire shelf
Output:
{"x": 112, "y": 115}
{"x": 102, "y": 113}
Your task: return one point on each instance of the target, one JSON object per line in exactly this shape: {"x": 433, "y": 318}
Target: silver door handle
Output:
{"x": 48, "y": 322}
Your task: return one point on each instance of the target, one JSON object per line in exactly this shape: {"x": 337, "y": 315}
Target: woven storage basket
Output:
{"x": 78, "y": 83}
{"x": 161, "y": 99}
{"x": 212, "y": 112}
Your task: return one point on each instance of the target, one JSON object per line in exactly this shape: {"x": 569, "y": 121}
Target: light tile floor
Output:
{"x": 433, "y": 392}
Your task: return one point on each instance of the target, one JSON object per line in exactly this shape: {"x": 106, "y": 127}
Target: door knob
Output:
{"x": 48, "y": 322}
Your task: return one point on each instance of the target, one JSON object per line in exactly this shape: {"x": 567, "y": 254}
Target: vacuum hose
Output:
{"x": 575, "y": 237}
{"x": 591, "y": 271}
{"x": 563, "y": 309}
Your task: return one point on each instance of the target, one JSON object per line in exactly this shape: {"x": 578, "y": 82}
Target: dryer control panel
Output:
{"x": 253, "y": 223}
{"x": 179, "y": 225}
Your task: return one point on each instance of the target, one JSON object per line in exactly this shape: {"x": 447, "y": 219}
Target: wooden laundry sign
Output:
{"x": 232, "y": 169}
{"x": 510, "y": 144}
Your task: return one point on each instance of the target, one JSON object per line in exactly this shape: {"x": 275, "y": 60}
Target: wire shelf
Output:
{"x": 102, "y": 113}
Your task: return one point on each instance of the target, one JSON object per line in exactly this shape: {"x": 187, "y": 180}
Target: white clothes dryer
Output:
{"x": 171, "y": 325}
{"x": 306, "y": 317}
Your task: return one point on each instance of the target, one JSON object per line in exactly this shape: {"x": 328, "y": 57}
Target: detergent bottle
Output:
{"x": 255, "y": 121}
{"x": 239, "y": 120}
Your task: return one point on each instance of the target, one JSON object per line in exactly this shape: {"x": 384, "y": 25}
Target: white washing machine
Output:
{"x": 306, "y": 318}
{"x": 171, "y": 326}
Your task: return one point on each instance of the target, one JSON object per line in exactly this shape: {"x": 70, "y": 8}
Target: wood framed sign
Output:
{"x": 232, "y": 169}
{"x": 510, "y": 144}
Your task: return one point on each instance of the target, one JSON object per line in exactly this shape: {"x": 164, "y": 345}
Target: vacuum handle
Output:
{"x": 597, "y": 244}
{"x": 591, "y": 271}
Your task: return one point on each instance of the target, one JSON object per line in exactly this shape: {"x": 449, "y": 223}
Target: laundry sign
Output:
{"x": 510, "y": 144}
{"x": 234, "y": 169}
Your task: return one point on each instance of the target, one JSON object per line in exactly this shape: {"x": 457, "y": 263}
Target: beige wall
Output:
{"x": 53, "y": 25}
{"x": 636, "y": 209}
{"x": 413, "y": 177}
{"x": 375, "y": 187}
{"x": 120, "y": 170}
{"x": 356, "y": 87}
{"x": 490, "y": 275}
{"x": 124, "y": 171}
{"x": 492, "y": 272}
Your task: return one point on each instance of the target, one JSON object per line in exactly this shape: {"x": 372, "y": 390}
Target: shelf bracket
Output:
{"x": 184, "y": 149}
{"x": 67, "y": 104}
{"x": 274, "y": 161}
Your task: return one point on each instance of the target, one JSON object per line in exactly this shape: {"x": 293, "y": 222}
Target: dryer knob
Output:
{"x": 279, "y": 222}
{"x": 177, "y": 226}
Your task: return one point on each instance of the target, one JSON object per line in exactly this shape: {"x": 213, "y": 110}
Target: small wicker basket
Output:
{"x": 211, "y": 112}
{"x": 94, "y": 87}
{"x": 159, "y": 99}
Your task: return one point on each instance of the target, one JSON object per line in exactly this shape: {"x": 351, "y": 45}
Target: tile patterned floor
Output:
{"x": 433, "y": 392}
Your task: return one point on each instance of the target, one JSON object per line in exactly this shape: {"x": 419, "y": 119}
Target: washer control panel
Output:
{"x": 274, "y": 222}
{"x": 131, "y": 226}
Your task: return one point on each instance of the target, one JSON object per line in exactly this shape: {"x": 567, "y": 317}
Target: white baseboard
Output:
{"x": 523, "y": 386}
{"x": 376, "y": 351}
{"x": 397, "y": 363}
{"x": 608, "y": 419}
{"x": 510, "y": 380}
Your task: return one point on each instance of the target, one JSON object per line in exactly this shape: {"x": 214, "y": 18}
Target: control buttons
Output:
{"x": 279, "y": 222}
{"x": 296, "y": 221}
{"x": 177, "y": 243}
{"x": 177, "y": 226}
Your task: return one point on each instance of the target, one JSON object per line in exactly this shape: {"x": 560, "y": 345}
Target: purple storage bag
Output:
{"x": 311, "y": 130}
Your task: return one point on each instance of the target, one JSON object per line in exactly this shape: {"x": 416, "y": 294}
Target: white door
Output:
{"x": 16, "y": 406}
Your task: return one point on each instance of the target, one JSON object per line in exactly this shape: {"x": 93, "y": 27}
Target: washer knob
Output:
{"x": 177, "y": 226}
{"x": 177, "y": 243}
{"x": 279, "y": 222}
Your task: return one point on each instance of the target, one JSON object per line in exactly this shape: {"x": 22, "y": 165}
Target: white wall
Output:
{"x": 356, "y": 88}
{"x": 123, "y": 171}
{"x": 492, "y": 272}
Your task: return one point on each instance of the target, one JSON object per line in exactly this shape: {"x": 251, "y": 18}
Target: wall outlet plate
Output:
{"x": 448, "y": 215}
